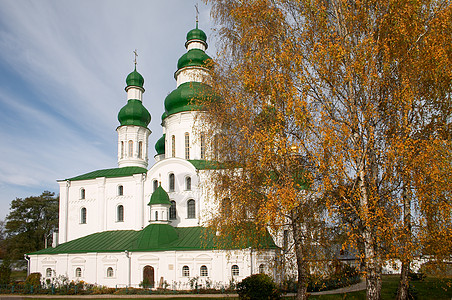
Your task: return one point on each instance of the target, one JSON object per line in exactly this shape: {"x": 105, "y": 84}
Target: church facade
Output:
{"x": 135, "y": 225}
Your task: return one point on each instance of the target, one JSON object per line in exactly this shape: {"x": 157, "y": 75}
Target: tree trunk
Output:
{"x": 402, "y": 292}
{"x": 372, "y": 262}
{"x": 302, "y": 266}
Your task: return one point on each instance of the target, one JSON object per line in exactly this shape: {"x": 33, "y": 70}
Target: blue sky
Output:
{"x": 63, "y": 66}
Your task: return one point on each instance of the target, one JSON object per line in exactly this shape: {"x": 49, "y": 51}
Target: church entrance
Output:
{"x": 148, "y": 277}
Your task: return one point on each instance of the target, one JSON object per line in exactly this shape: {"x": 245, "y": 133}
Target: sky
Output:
{"x": 63, "y": 66}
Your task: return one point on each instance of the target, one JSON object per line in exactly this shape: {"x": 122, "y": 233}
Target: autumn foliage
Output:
{"x": 337, "y": 112}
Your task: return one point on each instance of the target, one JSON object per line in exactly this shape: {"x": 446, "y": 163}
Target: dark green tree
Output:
{"x": 29, "y": 223}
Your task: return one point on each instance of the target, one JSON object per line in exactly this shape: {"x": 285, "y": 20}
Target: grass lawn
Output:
{"x": 429, "y": 288}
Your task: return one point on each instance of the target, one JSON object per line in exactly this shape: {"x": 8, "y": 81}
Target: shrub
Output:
{"x": 5, "y": 272}
{"x": 34, "y": 280}
{"x": 258, "y": 286}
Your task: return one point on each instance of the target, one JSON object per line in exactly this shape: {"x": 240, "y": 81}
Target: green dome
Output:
{"x": 196, "y": 34}
{"x": 135, "y": 79}
{"x": 160, "y": 145}
{"x": 185, "y": 96}
{"x": 155, "y": 236}
{"x": 193, "y": 57}
{"x": 159, "y": 196}
{"x": 164, "y": 115}
{"x": 134, "y": 113}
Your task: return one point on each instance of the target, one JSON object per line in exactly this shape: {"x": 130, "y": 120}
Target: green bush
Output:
{"x": 34, "y": 280}
{"x": 258, "y": 286}
{"x": 5, "y": 272}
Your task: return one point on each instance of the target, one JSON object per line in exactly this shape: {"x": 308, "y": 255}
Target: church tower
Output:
{"x": 133, "y": 133}
{"x": 181, "y": 139}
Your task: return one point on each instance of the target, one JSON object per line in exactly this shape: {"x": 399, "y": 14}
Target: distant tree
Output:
{"x": 30, "y": 222}
{"x": 5, "y": 271}
{"x": 2, "y": 239}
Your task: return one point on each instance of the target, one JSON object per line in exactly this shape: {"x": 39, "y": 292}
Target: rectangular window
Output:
{"x": 187, "y": 146}
{"x": 203, "y": 145}
{"x": 130, "y": 148}
{"x": 140, "y": 149}
{"x": 173, "y": 146}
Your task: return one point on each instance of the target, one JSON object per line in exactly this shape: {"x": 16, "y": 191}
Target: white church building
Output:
{"x": 133, "y": 224}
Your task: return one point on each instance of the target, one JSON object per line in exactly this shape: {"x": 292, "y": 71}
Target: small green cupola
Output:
{"x": 160, "y": 204}
{"x": 134, "y": 113}
{"x": 159, "y": 196}
{"x": 134, "y": 79}
{"x": 196, "y": 35}
{"x": 160, "y": 145}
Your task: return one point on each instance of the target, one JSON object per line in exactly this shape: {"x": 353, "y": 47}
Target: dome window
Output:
{"x": 187, "y": 146}
{"x": 191, "y": 209}
{"x": 172, "y": 210}
{"x": 120, "y": 213}
{"x": 173, "y": 146}
{"x": 83, "y": 215}
{"x": 130, "y": 148}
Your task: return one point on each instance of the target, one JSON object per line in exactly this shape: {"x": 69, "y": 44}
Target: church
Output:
{"x": 140, "y": 223}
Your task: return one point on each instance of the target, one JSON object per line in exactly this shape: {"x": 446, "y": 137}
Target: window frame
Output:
{"x": 120, "y": 213}
{"x": 173, "y": 211}
{"x": 82, "y": 193}
{"x": 110, "y": 272}
{"x": 120, "y": 190}
{"x": 187, "y": 145}
{"x": 203, "y": 271}
{"x": 78, "y": 272}
{"x": 235, "y": 270}
{"x": 185, "y": 271}
{"x": 83, "y": 215}
{"x": 171, "y": 182}
{"x": 188, "y": 183}
{"x": 191, "y": 209}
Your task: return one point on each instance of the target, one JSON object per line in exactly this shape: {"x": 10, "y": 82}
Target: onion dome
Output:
{"x": 196, "y": 35}
{"x": 186, "y": 96}
{"x": 159, "y": 196}
{"x": 135, "y": 79}
{"x": 134, "y": 113}
{"x": 160, "y": 145}
{"x": 193, "y": 57}
{"x": 164, "y": 115}
{"x": 155, "y": 236}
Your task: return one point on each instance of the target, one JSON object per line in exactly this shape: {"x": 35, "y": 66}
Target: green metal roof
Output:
{"x": 134, "y": 113}
{"x": 205, "y": 164}
{"x": 197, "y": 34}
{"x": 155, "y": 237}
{"x": 185, "y": 96}
{"x": 110, "y": 173}
{"x": 135, "y": 79}
{"x": 194, "y": 58}
{"x": 159, "y": 196}
{"x": 160, "y": 145}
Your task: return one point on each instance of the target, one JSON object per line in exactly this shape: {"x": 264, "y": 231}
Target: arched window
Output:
{"x": 78, "y": 272}
{"x": 83, "y": 215}
{"x": 235, "y": 271}
{"x": 130, "y": 148}
{"x": 191, "y": 210}
{"x": 82, "y": 193}
{"x": 49, "y": 272}
{"x": 188, "y": 183}
{"x": 203, "y": 145}
{"x": 120, "y": 214}
{"x": 155, "y": 184}
{"x": 156, "y": 215}
{"x": 261, "y": 268}
{"x": 203, "y": 271}
{"x": 120, "y": 190}
{"x": 172, "y": 211}
{"x": 122, "y": 149}
{"x": 173, "y": 146}
{"x": 185, "y": 271}
{"x": 171, "y": 182}
{"x": 140, "y": 149}
{"x": 110, "y": 272}
{"x": 187, "y": 146}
